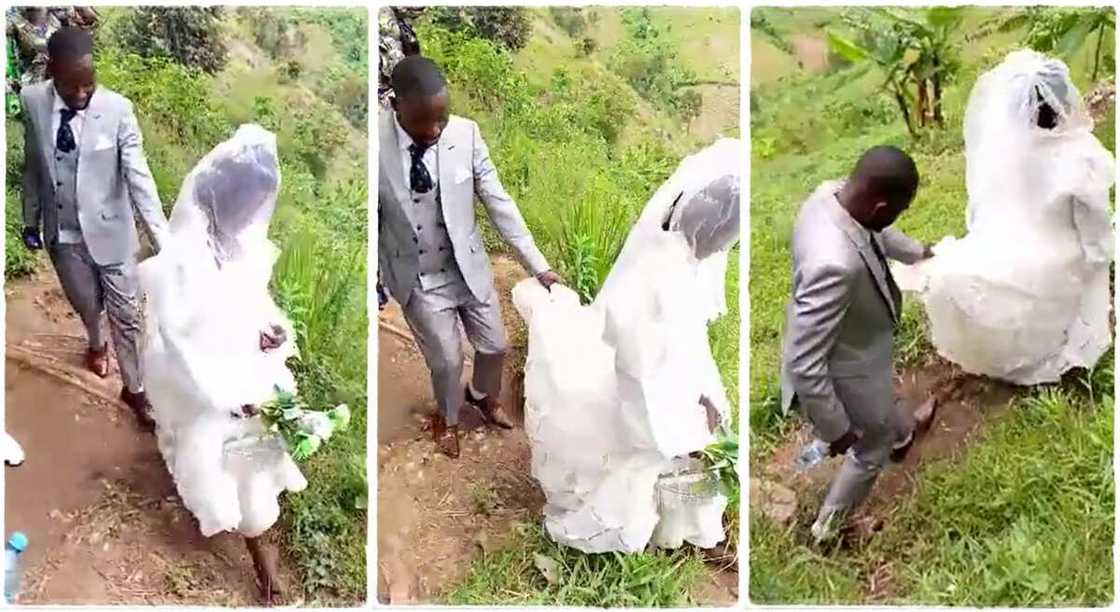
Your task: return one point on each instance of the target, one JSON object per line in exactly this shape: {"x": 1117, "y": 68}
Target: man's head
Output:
{"x": 420, "y": 98}
{"x": 70, "y": 64}
{"x": 881, "y": 187}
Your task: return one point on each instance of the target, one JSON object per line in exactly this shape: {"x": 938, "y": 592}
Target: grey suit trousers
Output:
{"x": 435, "y": 317}
{"x": 93, "y": 289}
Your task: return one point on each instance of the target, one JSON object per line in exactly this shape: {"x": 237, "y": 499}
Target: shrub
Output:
{"x": 190, "y": 36}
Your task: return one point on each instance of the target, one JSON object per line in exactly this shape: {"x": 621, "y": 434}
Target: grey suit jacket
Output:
{"x": 465, "y": 172}
{"x": 838, "y": 348}
{"x": 113, "y": 175}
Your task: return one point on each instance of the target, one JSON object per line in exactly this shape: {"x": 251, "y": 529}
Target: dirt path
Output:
{"x": 93, "y": 496}
{"x": 434, "y": 514}
{"x": 967, "y": 402}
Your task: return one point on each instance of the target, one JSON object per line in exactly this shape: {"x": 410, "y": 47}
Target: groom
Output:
{"x": 837, "y": 356}
{"x": 433, "y": 165}
{"x": 84, "y": 177}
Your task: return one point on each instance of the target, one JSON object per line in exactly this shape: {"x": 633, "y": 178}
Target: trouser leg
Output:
{"x": 122, "y": 304}
{"x": 482, "y": 322}
{"x": 436, "y": 331}
{"x": 80, "y": 280}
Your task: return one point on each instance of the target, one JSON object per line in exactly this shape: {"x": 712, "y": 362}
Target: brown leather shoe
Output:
{"x": 445, "y": 436}
{"x": 97, "y": 361}
{"x": 138, "y": 402}
{"x": 491, "y": 409}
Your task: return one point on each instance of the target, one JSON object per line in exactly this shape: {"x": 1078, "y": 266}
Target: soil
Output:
{"x": 965, "y": 402}
{"x": 435, "y": 515}
{"x": 811, "y": 52}
{"x": 93, "y": 496}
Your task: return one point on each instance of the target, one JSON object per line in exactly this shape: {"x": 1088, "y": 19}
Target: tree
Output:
{"x": 918, "y": 55}
{"x": 189, "y": 36}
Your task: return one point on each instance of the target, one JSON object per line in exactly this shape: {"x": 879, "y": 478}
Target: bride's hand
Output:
{"x": 272, "y": 338}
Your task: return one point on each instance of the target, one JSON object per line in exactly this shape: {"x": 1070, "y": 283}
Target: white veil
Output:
{"x": 1023, "y": 297}
{"x": 207, "y": 302}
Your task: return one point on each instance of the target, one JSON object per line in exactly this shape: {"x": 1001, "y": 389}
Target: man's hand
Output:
{"x": 843, "y": 443}
{"x": 927, "y": 253}
{"x": 272, "y": 338}
{"x": 31, "y": 238}
{"x": 548, "y": 278}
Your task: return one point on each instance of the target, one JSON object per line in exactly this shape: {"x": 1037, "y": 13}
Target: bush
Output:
{"x": 507, "y": 26}
{"x": 570, "y": 19}
{"x": 190, "y": 36}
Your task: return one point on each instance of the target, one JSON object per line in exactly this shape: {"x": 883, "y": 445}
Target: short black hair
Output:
{"x": 417, "y": 75}
{"x": 887, "y": 172}
{"x": 69, "y": 44}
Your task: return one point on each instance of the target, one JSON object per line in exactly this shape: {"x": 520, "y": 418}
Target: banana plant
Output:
{"x": 917, "y": 52}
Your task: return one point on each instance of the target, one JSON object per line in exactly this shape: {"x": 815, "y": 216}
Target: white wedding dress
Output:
{"x": 207, "y": 302}
{"x": 1024, "y": 296}
{"x": 612, "y": 389}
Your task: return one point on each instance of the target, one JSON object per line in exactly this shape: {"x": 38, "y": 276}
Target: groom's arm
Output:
{"x": 900, "y": 247}
{"x": 138, "y": 178}
{"x": 503, "y": 210}
{"x": 821, "y": 297}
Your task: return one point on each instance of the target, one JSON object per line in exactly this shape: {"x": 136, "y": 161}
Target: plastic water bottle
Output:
{"x": 13, "y": 566}
{"x": 811, "y": 455}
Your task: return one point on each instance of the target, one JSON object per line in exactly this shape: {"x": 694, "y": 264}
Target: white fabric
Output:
{"x": 207, "y": 301}
{"x": 1024, "y": 296}
{"x": 612, "y": 389}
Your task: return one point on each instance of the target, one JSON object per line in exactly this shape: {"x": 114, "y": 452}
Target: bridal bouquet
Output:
{"x": 303, "y": 429}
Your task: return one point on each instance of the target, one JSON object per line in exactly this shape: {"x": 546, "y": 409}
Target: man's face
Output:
{"x": 424, "y": 117}
{"x": 74, "y": 80}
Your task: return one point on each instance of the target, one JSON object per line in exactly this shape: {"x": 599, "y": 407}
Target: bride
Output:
{"x": 617, "y": 391}
{"x": 216, "y": 346}
{"x": 1024, "y": 296}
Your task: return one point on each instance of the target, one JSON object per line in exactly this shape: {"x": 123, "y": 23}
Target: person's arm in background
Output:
{"x": 32, "y": 206}
{"x": 900, "y": 247}
{"x": 820, "y": 300}
{"x": 505, "y": 215}
{"x": 138, "y": 178}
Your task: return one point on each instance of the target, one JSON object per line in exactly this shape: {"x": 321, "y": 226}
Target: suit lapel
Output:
{"x": 90, "y": 125}
{"x": 860, "y": 238}
{"x": 446, "y": 177}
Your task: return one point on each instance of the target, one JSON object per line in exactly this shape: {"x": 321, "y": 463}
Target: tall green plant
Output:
{"x": 1064, "y": 31}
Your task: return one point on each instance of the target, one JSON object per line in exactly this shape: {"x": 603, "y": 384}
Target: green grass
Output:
{"x": 1004, "y": 523}
{"x": 605, "y": 580}
{"x": 319, "y": 225}
{"x": 576, "y": 147}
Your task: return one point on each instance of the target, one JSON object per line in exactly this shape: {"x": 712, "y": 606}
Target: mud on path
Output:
{"x": 435, "y": 515}
{"x": 788, "y": 496}
{"x": 99, "y": 508}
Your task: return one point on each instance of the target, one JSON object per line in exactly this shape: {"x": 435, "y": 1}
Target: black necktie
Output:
{"x": 418, "y": 175}
{"x": 896, "y": 294}
{"x": 64, "y": 141}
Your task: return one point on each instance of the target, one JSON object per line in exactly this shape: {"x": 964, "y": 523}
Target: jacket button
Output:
{"x": 415, "y": 240}
{"x": 418, "y": 227}
{"x": 58, "y": 184}
{"x": 415, "y": 200}
{"x": 59, "y": 158}
{"x": 421, "y": 251}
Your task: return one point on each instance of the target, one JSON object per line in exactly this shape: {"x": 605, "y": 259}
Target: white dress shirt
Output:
{"x": 430, "y": 158}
